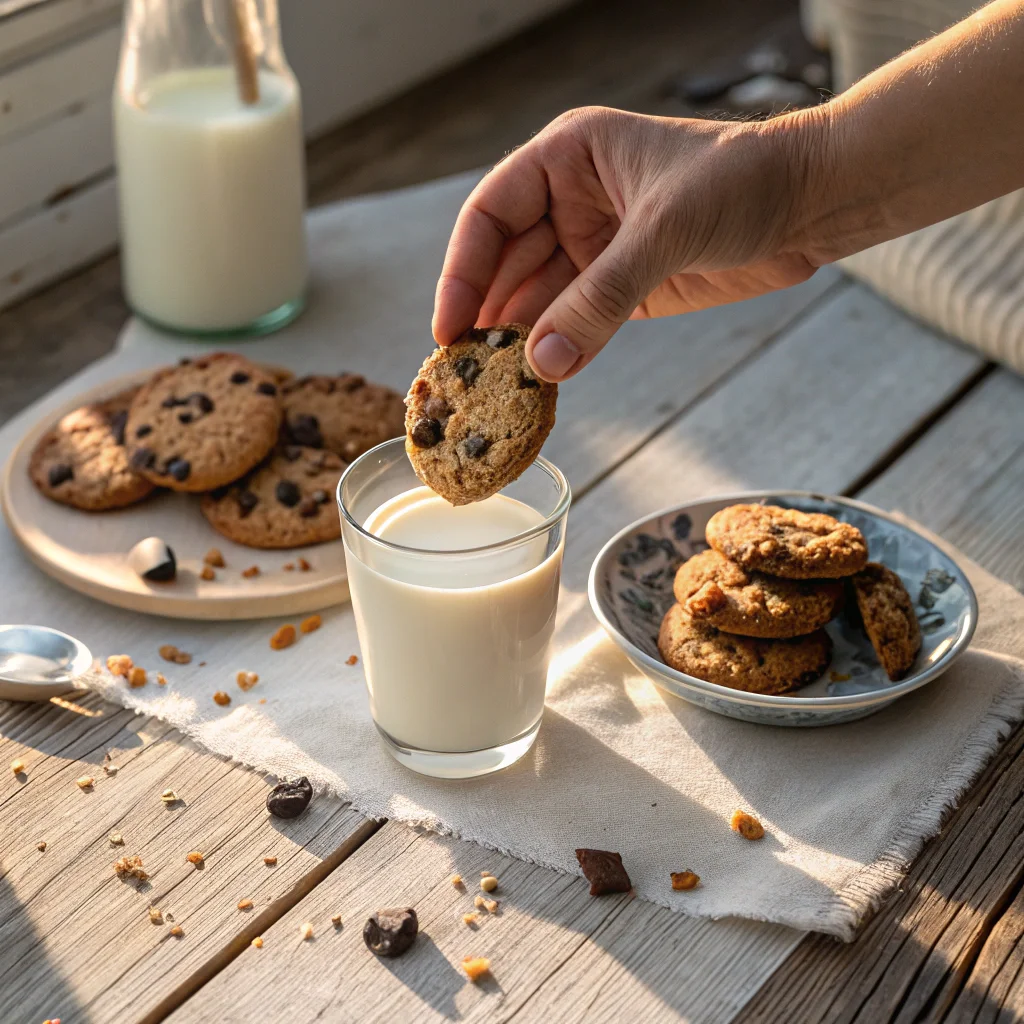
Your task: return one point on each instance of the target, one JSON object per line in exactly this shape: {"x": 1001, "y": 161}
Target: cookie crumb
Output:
{"x": 488, "y": 883}
{"x": 262, "y": 700}
{"x": 169, "y": 796}
{"x": 119, "y": 664}
{"x": 171, "y": 653}
{"x": 85, "y": 782}
{"x": 253, "y": 570}
{"x": 288, "y": 566}
{"x": 18, "y": 767}
{"x": 746, "y": 824}
{"x": 456, "y": 880}
{"x": 247, "y": 680}
{"x": 336, "y": 920}
{"x": 304, "y": 566}
{"x": 258, "y": 942}
{"x": 130, "y": 867}
{"x": 41, "y": 845}
{"x": 110, "y": 769}
{"x": 476, "y": 967}
{"x": 839, "y": 677}
{"x": 470, "y": 919}
{"x": 306, "y": 931}
{"x": 115, "y": 839}
{"x": 176, "y": 931}
{"x": 195, "y": 857}
{"x": 206, "y": 573}
{"x": 284, "y": 637}
{"x": 136, "y": 676}
{"x": 215, "y": 558}
{"x": 683, "y": 880}
{"x": 161, "y": 679}
{"x": 270, "y": 861}
{"x": 155, "y": 916}
{"x": 222, "y": 698}
{"x": 491, "y": 906}
{"x": 312, "y": 623}
{"x": 245, "y": 904}
{"x": 352, "y": 659}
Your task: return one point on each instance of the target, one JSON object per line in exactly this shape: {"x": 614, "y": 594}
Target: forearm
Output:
{"x": 935, "y": 132}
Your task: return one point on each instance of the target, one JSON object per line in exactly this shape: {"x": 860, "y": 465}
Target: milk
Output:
{"x": 455, "y": 649}
{"x": 212, "y": 194}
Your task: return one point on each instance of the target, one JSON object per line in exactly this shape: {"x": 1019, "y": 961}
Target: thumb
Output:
{"x": 598, "y": 301}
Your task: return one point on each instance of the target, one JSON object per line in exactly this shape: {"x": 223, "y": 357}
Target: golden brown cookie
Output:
{"x": 477, "y": 415}
{"x": 741, "y": 662}
{"x": 889, "y": 620}
{"x": 787, "y": 542}
{"x": 346, "y": 414}
{"x": 288, "y": 502}
{"x": 719, "y": 593}
{"x": 203, "y": 423}
{"x": 82, "y": 460}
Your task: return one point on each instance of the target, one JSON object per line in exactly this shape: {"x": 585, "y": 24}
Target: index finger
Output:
{"x": 510, "y": 200}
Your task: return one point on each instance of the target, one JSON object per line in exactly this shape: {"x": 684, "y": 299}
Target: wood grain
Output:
{"x": 610, "y": 959}
{"x": 77, "y": 943}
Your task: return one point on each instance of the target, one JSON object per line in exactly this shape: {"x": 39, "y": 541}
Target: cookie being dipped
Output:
{"x": 477, "y": 415}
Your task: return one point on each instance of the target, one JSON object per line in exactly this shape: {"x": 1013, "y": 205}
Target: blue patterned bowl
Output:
{"x": 631, "y": 589}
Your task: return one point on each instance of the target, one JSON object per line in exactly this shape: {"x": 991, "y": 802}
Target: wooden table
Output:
{"x": 824, "y": 387}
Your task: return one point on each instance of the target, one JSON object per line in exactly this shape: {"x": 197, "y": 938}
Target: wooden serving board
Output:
{"x": 88, "y": 551}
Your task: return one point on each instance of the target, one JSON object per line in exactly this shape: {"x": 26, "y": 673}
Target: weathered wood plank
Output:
{"x": 77, "y": 943}
{"x": 816, "y": 389}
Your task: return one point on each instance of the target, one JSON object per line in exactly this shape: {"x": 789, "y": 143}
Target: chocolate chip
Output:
{"x": 204, "y": 403}
{"x": 220, "y": 492}
{"x": 239, "y": 377}
{"x": 184, "y": 417}
{"x": 60, "y": 473}
{"x": 528, "y": 382}
{"x": 247, "y": 501}
{"x": 467, "y": 368}
{"x": 476, "y": 334}
{"x": 391, "y": 932}
{"x": 292, "y": 452}
{"x": 305, "y": 430}
{"x": 266, "y": 388}
{"x": 475, "y": 445}
{"x": 437, "y": 409}
{"x": 178, "y": 468}
{"x": 426, "y": 433}
{"x": 287, "y": 493}
{"x": 142, "y": 458}
{"x": 351, "y": 382}
{"x": 144, "y": 430}
{"x": 321, "y": 497}
{"x": 117, "y": 422}
{"x": 170, "y": 402}
{"x": 604, "y": 871}
{"x": 290, "y": 799}
{"x": 308, "y": 508}
{"x": 184, "y": 361}
{"x": 500, "y": 339}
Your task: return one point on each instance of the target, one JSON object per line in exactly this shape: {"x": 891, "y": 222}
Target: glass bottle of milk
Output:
{"x": 211, "y": 167}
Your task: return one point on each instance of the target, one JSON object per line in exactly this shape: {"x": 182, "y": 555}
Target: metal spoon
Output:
{"x": 37, "y": 663}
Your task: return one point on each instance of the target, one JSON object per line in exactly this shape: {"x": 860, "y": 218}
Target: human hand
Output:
{"x": 607, "y": 215}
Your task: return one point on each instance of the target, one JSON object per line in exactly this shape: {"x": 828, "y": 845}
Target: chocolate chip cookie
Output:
{"x": 741, "y": 662}
{"x": 889, "y": 620}
{"x": 82, "y": 460}
{"x": 787, "y": 542}
{"x": 287, "y": 502}
{"x": 477, "y": 414}
{"x": 717, "y": 592}
{"x": 345, "y": 414}
{"x": 203, "y": 423}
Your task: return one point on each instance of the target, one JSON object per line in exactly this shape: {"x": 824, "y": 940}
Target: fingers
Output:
{"x": 591, "y": 308}
{"x": 522, "y": 256}
{"x": 539, "y": 290}
{"x": 510, "y": 201}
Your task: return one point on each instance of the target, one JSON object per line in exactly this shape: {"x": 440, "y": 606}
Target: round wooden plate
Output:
{"x": 88, "y": 551}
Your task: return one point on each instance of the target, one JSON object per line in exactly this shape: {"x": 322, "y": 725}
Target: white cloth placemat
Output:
{"x": 618, "y": 764}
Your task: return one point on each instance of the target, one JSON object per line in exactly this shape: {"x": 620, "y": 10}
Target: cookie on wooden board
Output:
{"x": 203, "y": 423}
{"x": 741, "y": 662}
{"x": 719, "y": 593}
{"x": 890, "y": 622}
{"x": 287, "y": 502}
{"x": 477, "y": 415}
{"x": 346, "y": 414}
{"x": 82, "y": 461}
{"x": 787, "y": 542}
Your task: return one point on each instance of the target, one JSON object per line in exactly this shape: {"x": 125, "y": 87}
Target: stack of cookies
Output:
{"x": 750, "y": 610}
{"x": 264, "y": 449}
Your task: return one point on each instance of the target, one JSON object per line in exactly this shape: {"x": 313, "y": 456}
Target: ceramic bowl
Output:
{"x": 631, "y": 589}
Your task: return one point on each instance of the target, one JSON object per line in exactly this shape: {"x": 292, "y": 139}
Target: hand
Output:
{"x": 607, "y": 215}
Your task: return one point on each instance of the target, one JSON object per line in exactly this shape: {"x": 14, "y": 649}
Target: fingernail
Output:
{"x": 555, "y": 355}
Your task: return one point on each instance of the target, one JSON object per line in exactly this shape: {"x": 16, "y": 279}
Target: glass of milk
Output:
{"x": 211, "y": 172}
{"x": 455, "y": 608}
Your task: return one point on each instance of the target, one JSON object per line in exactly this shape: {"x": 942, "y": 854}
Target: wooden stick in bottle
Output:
{"x": 246, "y": 71}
